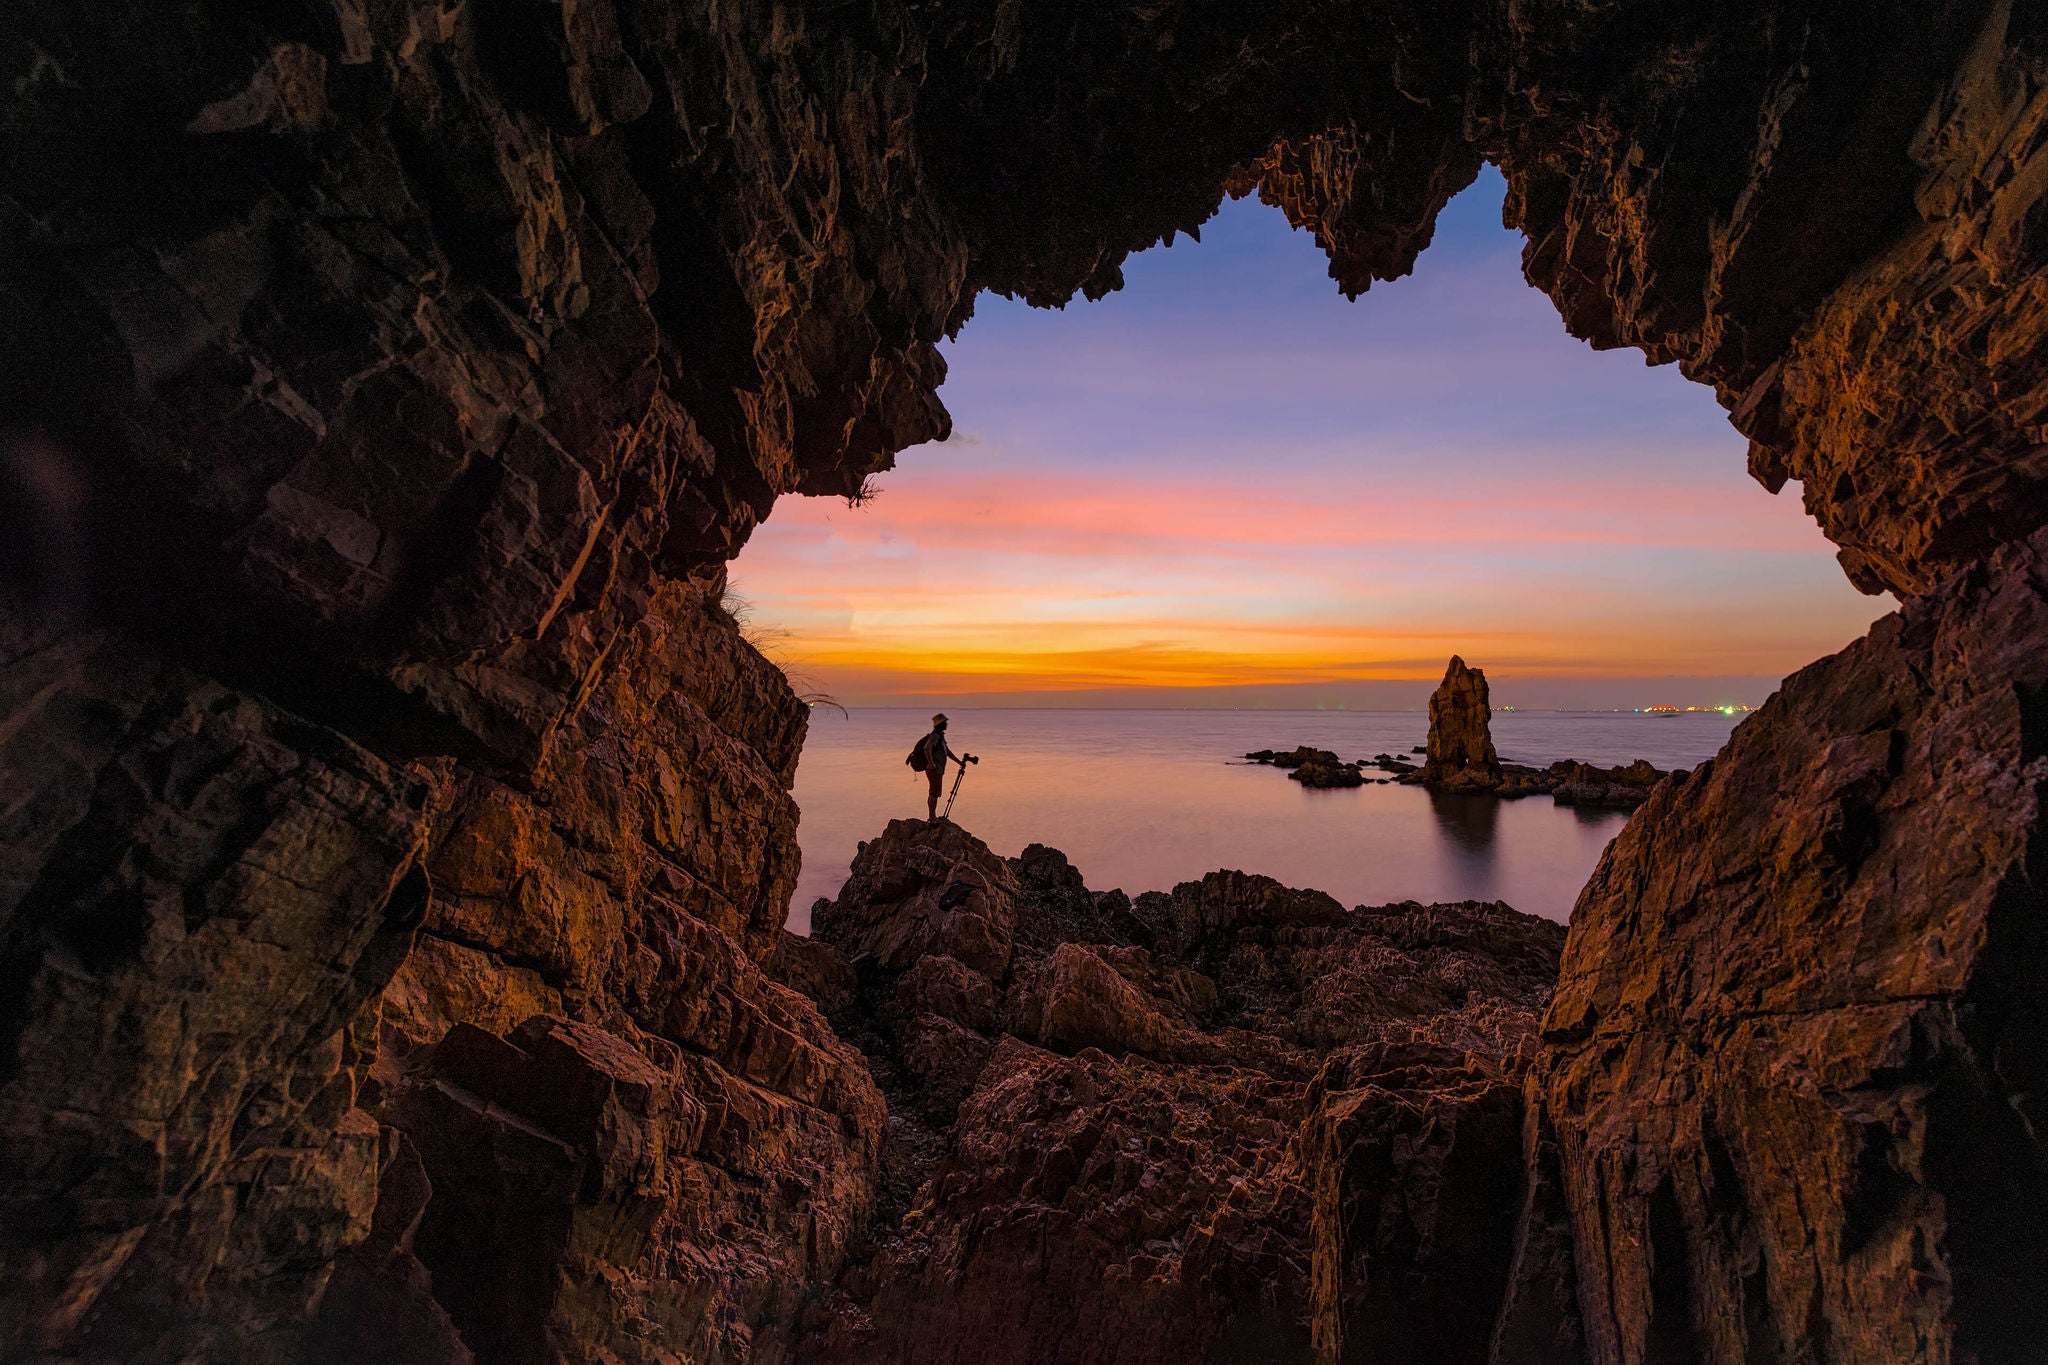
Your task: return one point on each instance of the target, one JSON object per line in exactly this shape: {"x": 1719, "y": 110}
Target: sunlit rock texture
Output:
{"x": 396, "y": 827}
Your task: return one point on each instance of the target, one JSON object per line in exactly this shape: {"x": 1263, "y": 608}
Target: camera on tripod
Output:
{"x": 965, "y": 759}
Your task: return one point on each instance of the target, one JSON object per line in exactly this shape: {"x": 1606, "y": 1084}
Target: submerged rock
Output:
{"x": 1582, "y": 784}
{"x": 1571, "y": 783}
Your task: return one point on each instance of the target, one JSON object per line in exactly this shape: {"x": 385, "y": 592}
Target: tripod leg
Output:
{"x": 955, "y": 793}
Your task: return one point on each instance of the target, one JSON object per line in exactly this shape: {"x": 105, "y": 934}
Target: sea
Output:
{"x": 1143, "y": 800}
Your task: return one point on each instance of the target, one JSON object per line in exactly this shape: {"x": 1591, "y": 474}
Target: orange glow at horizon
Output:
{"x": 1226, "y": 476}
{"x": 957, "y": 581}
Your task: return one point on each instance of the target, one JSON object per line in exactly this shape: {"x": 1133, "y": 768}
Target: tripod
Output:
{"x": 965, "y": 759}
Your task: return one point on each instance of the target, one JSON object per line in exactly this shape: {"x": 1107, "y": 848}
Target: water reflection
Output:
{"x": 1144, "y": 799}
{"x": 1469, "y": 822}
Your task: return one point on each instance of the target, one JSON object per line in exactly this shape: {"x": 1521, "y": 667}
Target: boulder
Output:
{"x": 950, "y": 989}
{"x": 813, "y": 968}
{"x": 1075, "y": 999}
{"x": 1275, "y": 1122}
{"x": 923, "y": 887}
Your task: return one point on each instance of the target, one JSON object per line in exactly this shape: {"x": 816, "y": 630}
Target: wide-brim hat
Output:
{"x": 939, "y": 719}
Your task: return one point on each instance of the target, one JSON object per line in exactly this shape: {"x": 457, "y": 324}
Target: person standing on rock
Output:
{"x": 930, "y": 757}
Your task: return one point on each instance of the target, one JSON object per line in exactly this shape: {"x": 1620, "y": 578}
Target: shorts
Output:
{"x": 938, "y": 779}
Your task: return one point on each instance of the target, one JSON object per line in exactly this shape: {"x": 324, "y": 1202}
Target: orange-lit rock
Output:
{"x": 1799, "y": 1019}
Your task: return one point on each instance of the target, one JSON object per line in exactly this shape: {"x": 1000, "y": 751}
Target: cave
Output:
{"x": 396, "y": 832}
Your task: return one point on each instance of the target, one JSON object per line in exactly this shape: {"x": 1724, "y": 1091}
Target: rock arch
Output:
{"x": 409, "y": 371}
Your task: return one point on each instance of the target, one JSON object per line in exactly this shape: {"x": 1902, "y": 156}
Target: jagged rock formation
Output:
{"x": 1584, "y": 784}
{"x": 386, "y": 385}
{"x": 1460, "y": 746}
{"x": 1461, "y": 757}
{"x": 1231, "y": 1122}
{"x": 568, "y": 1009}
{"x": 1799, "y": 1031}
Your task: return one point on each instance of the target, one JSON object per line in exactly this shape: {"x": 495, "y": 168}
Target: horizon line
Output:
{"x": 1307, "y": 710}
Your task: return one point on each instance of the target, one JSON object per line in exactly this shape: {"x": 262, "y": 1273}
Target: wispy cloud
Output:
{"x": 1289, "y": 490}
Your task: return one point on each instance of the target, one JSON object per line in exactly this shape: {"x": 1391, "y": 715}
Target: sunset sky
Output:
{"x": 1227, "y": 485}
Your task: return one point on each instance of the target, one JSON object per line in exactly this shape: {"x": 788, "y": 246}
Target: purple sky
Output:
{"x": 1227, "y": 485}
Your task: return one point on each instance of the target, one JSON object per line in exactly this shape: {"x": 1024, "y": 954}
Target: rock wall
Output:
{"x": 270, "y": 995}
{"x": 387, "y": 384}
{"x": 383, "y": 412}
{"x": 1792, "y": 1063}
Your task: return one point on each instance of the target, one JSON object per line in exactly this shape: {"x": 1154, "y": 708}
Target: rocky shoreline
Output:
{"x": 1461, "y": 759}
{"x": 1157, "y": 1129}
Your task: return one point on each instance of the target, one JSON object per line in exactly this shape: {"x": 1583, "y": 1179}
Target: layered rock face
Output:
{"x": 1460, "y": 754}
{"x": 386, "y": 386}
{"x": 316, "y": 1055}
{"x": 383, "y": 417}
{"x": 1236, "y": 1122}
{"x": 1792, "y": 1067}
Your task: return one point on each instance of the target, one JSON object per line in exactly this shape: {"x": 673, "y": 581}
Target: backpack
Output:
{"x": 917, "y": 761}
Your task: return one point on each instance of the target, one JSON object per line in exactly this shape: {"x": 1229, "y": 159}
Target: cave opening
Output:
{"x": 1223, "y": 495}
{"x": 399, "y": 380}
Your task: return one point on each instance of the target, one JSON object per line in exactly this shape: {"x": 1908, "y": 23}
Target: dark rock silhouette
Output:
{"x": 397, "y": 381}
{"x": 1460, "y": 748}
{"x": 1311, "y": 767}
{"x": 1571, "y": 783}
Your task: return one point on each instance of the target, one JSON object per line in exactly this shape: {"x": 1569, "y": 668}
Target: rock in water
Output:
{"x": 1460, "y": 747}
{"x": 1311, "y": 767}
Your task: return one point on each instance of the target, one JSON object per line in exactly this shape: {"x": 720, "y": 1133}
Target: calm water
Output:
{"x": 1144, "y": 799}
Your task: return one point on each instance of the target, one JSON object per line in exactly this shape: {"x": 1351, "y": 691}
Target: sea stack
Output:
{"x": 1461, "y": 756}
